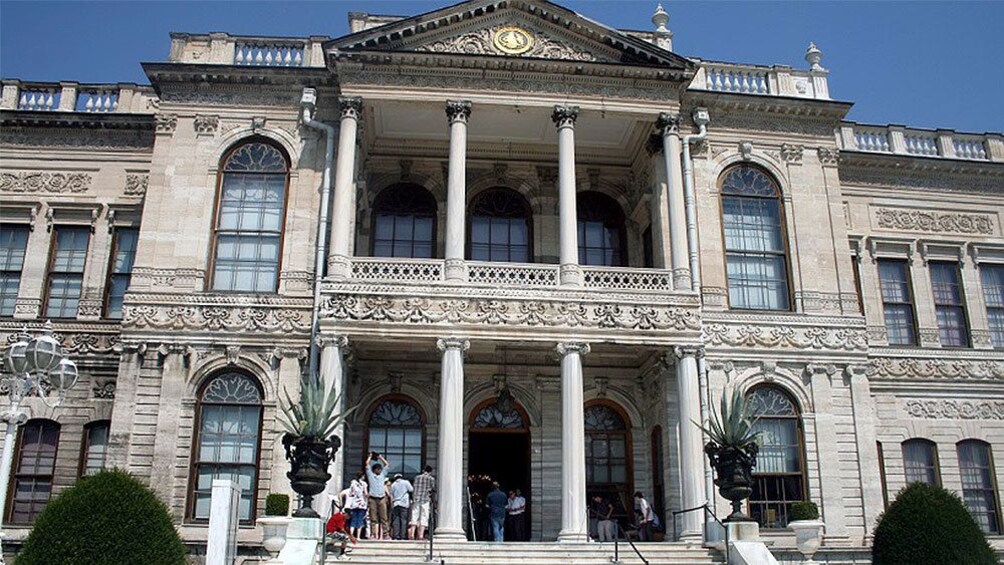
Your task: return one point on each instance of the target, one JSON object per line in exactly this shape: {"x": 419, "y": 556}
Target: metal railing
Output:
{"x": 432, "y": 526}
{"x": 617, "y": 552}
{"x": 708, "y": 512}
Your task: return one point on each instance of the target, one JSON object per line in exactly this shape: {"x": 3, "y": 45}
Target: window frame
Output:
{"x": 422, "y": 427}
{"x": 962, "y": 307}
{"x": 785, "y": 240}
{"x": 802, "y": 459}
{"x": 194, "y": 462}
{"x": 936, "y": 459}
{"x": 627, "y": 433}
{"x": 912, "y": 303}
{"x": 16, "y": 463}
{"x": 992, "y": 487}
{"x": 379, "y": 200}
{"x": 106, "y": 302}
{"x": 618, "y": 222}
{"x": 983, "y": 268}
{"x": 20, "y": 271}
{"x": 528, "y": 217}
{"x": 218, "y": 211}
{"x": 85, "y": 444}
{"x": 53, "y": 247}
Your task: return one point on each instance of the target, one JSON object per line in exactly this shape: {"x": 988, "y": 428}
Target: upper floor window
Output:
{"x": 227, "y": 441}
{"x": 13, "y": 242}
{"x": 95, "y": 448}
{"x": 396, "y": 430}
{"x": 976, "y": 465}
{"x": 500, "y": 227}
{"x": 993, "y": 293}
{"x": 779, "y": 475}
{"x": 35, "y": 465}
{"x": 66, "y": 271}
{"x": 601, "y": 230}
{"x": 897, "y": 301}
{"x": 953, "y": 329}
{"x": 755, "y": 256}
{"x": 920, "y": 462}
{"x": 404, "y": 222}
{"x": 120, "y": 270}
{"x": 249, "y": 222}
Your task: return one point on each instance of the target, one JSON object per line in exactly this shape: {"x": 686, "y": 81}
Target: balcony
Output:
{"x": 119, "y": 98}
{"x": 774, "y": 80}
{"x": 901, "y": 140}
{"x": 247, "y": 51}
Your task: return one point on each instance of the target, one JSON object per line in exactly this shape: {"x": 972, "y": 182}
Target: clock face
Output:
{"x": 513, "y": 40}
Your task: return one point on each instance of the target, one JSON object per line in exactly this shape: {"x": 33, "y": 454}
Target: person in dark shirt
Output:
{"x": 497, "y": 501}
{"x": 602, "y": 511}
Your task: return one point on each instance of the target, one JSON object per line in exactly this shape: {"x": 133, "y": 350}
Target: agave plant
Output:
{"x": 316, "y": 415}
{"x": 734, "y": 428}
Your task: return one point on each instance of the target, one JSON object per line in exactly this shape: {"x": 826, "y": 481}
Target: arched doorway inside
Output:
{"x": 498, "y": 449}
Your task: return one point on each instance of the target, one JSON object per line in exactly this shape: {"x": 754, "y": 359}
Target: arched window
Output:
{"x": 976, "y": 465}
{"x": 404, "y": 222}
{"x": 920, "y": 462}
{"x": 779, "y": 475}
{"x": 35, "y": 465}
{"x": 94, "y": 450}
{"x": 491, "y": 417}
{"x": 227, "y": 441}
{"x": 500, "y": 227}
{"x": 397, "y": 431}
{"x": 250, "y": 217}
{"x": 601, "y": 230}
{"x": 753, "y": 225}
{"x": 608, "y": 456}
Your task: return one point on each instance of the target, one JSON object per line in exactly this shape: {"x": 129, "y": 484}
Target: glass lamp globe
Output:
{"x": 43, "y": 353}
{"x": 64, "y": 376}
{"x": 17, "y": 360}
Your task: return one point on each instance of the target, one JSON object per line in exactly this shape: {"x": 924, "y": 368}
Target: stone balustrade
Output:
{"x": 253, "y": 51}
{"x": 774, "y": 80}
{"x": 901, "y": 140}
{"x": 76, "y": 97}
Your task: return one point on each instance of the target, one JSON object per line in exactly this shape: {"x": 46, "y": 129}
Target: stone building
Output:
{"x": 551, "y": 246}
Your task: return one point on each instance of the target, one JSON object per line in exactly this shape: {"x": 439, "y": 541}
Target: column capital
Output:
{"x": 350, "y": 106}
{"x": 458, "y": 110}
{"x": 668, "y": 124}
{"x": 565, "y": 347}
{"x": 565, "y": 116}
{"x": 446, "y": 343}
{"x": 681, "y": 351}
{"x": 337, "y": 340}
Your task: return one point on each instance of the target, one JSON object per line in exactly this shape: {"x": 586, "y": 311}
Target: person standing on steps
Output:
{"x": 425, "y": 485}
{"x": 516, "y": 508}
{"x": 376, "y": 475}
{"x": 497, "y": 501}
{"x": 601, "y": 512}
{"x": 356, "y": 499}
{"x": 400, "y": 496}
{"x": 646, "y": 517}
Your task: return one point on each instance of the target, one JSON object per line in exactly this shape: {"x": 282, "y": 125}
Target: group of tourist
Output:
{"x": 603, "y": 525}
{"x": 506, "y": 513}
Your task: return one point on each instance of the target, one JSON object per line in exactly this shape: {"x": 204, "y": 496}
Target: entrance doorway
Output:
{"x": 498, "y": 450}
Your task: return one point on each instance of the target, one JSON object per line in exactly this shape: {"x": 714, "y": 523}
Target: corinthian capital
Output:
{"x": 447, "y": 343}
{"x": 458, "y": 110}
{"x": 564, "y": 116}
{"x": 350, "y": 106}
{"x": 668, "y": 123}
{"x": 566, "y": 347}
{"x": 681, "y": 351}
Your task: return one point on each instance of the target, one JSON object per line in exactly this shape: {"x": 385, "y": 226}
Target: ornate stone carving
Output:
{"x": 89, "y": 308}
{"x": 104, "y": 388}
{"x": 792, "y": 153}
{"x": 147, "y": 278}
{"x": 934, "y": 222}
{"x": 955, "y": 409}
{"x": 480, "y": 42}
{"x": 136, "y": 184}
{"x": 828, "y": 157}
{"x": 458, "y": 110}
{"x": 981, "y": 338}
{"x": 746, "y": 150}
{"x": 166, "y": 123}
{"x": 206, "y": 124}
{"x": 565, "y": 116}
{"x": 782, "y": 336}
{"x": 819, "y": 302}
{"x": 667, "y": 123}
{"x": 82, "y": 139}
{"x": 929, "y": 337}
{"x": 877, "y": 334}
{"x": 231, "y": 96}
{"x": 27, "y": 307}
{"x": 76, "y": 341}
{"x": 221, "y": 314}
{"x": 350, "y": 106}
{"x": 566, "y": 347}
{"x": 715, "y": 296}
{"x": 913, "y": 368}
{"x": 444, "y": 343}
{"x": 44, "y": 181}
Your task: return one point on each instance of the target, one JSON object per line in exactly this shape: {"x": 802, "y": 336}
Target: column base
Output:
{"x": 456, "y": 270}
{"x": 572, "y": 537}
{"x": 681, "y": 279}
{"x": 339, "y": 267}
{"x": 570, "y": 274}
{"x": 449, "y": 534}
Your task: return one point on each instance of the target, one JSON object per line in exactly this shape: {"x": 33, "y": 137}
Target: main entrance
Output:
{"x": 498, "y": 450}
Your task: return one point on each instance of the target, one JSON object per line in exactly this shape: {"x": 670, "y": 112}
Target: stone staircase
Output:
{"x": 530, "y": 553}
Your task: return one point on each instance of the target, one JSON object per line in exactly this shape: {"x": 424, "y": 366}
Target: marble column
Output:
{"x": 449, "y": 523}
{"x": 574, "y": 521}
{"x": 669, "y": 128}
{"x": 333, "y": 377}
{"x": 691, "y": 450}
{"x": 457, "y": 111}
{"x": 658, "y": 209}
{"x": 339, "y": 263}
{"x": 571, "y": 274}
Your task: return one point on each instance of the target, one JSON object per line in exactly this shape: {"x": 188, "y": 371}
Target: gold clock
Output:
{"x": 513, "y": 40}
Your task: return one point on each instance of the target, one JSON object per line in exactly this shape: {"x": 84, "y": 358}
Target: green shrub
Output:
{"x": 928, "y": 525}
{"x": 106, "y": 519}
{"x": 276, "y": 504}
{"x": 804, "y": 510}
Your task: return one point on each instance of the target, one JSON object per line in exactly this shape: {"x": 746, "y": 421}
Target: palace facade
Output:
{"x": 548, "y": 247}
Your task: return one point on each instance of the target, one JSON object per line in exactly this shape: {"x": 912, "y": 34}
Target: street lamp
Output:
{"x": 35, "y": 366}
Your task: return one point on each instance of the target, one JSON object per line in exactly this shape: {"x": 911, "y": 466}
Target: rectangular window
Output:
{"x": 920, "y": 462}
{"x": 34, "y": 467}
{"x": 66, "y": 271}
{"x": 953, "y": 328}
{"x": 13, "y": 242}
{"x": 856, "y": 267}
{"x": 755, "y": 260}
{"x": 95, "y": 448}
{"x": 120, "y": 271}
{"x": 897, "y": 301}
{"x": 993, "y": 292}
{"x": 977, "y": 469}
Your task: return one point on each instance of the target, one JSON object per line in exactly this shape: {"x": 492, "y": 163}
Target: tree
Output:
{"x": 927, "y": 525}
{"x": 106, "y": 519}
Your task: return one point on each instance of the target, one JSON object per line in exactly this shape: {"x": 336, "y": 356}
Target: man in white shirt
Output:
{"x": 646, "y": 517}
{"x": 516, "y": 509}
{"x": 400, "y": 496}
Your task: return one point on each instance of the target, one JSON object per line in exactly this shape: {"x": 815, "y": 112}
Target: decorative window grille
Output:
{"x": 976, "y": 466}
{"x": 66, "y": 271}
{"x": 601, "y": 230}
{"x": 120, "y": 271}
{"x": 953, "y": 329}
{"x": 493, "y": 417}
{"x": 897, "y": 301}
{"x": 993, "y": 293}
{"x": 13, "y": 242}
{"x": 404, "y": 222}
{"x": 920, "y": 462}
{"x": 500, "y": 227}
{"x": 396, "y": 430}
{"x": 35, "y": 462}
{"x": 779, "y": 476}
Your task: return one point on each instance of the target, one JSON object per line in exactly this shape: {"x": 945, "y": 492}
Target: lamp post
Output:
{"x": 35, "y": 366}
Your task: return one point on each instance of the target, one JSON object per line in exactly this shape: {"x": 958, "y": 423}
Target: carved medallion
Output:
{"x": 513, "y": 40}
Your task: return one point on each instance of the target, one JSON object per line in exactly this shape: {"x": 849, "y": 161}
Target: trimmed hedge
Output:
{"x": 276, "y": 504}
{"x": 928, "y": 525}
{"x": 106, "y": 519}
{"x": 804, "y": 510}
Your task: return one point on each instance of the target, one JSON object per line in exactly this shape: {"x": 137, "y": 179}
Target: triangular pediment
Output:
{"x": 533, "y": 29}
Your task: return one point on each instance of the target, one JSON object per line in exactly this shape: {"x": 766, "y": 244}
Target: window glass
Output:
{"x": 897, "y": 302}
{"x": 778, "y": 478}
{"x": 66, "y": 271}
{"x": 993, "y": 292}
{"x": 95, "y": 447}
{"x": 404, "y": 220}
{"x": 977, "y": 469}
{"x": 13, "y": 242}
{"x": 601, "y": 230}
{"x": 920, "y": 462}
{"x": 500, "y": 227}
{"x": 396, "y": 431}
{"x": 123, "y": 256}
{"x": 35, "y": 465}
{"x": 607, "y": 457}
{"x": 953, "y": 329}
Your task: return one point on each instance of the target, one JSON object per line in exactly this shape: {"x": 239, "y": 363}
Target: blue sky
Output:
{"x": 925, "y": 64}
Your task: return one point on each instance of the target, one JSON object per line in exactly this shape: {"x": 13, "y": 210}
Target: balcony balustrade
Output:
{"x": 900, "y": 140}
{"x": 75, "y": 97}
{"x": 775, "y": 80}
{"x": 247, "y": 51}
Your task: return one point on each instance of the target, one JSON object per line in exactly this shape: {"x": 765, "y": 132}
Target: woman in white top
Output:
{"x": 356, "y": 501}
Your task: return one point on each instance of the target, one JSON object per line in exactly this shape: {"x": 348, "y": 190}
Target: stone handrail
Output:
{"x": 901, "y": 140}
{"x": 122, "y": 98}
{"x": 226, "y": 49}
{"x": 385, "y": 269}
{"x": 774, "y": 80}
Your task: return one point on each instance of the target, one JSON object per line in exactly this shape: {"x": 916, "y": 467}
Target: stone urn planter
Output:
{"x": 309, "y": 458}
{"x": 273, "y": 535}
{"x": 733, "y": 474}
{"x": 808, "y": 537}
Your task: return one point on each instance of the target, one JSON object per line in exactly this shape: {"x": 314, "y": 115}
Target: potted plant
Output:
{"x": 732, "y": 449}
{"x": 274, "y": 523}
{"x": 808, "y": 528}
{"x": 310, "y": 441}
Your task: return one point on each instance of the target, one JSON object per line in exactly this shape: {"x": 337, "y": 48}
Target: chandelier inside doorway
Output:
{"x": 504, "y": 400}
